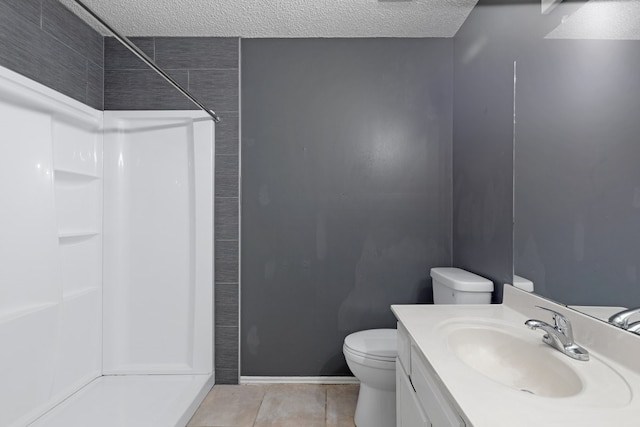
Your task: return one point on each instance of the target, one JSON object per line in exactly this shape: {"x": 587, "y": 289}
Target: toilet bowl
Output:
{"x": 371, "y": 356}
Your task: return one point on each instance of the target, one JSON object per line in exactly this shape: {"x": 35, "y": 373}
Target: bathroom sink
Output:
{"x": 516, "y": 358}
{"x": 513, "y": 362}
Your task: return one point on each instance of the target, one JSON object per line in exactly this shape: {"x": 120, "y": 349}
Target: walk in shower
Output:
{"x": 106, "y": 261}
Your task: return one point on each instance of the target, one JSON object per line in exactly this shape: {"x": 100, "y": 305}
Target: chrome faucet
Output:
{"x": 559, "y": 336}
{"x": 621, "y": 319}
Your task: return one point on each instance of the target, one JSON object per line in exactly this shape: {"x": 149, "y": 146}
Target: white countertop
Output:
{"x": 486, "y": 403}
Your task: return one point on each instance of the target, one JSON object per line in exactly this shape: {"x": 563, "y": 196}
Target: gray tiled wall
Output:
{"x": 44, "y": 41}
{"x": 208, "y": 67}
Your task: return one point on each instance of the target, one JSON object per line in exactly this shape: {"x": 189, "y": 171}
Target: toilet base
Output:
{"x": 375, "y": 408}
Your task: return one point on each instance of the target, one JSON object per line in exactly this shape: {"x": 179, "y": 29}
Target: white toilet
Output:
{"x": 371, "y": 354}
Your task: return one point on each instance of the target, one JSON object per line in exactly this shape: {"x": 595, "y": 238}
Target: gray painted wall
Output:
{"x": 208, "y": 67}
{"x": 45, "y": 42}
{"x": 346, "y": 192}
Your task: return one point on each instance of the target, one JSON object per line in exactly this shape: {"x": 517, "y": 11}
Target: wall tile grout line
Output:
{"x": 53, "y": 36}
{"x": 168, "y": 69}
{"x": 94, "y": 63}
{"x": 207, "y": 69}
{"x": 141, "y": 69}
{"x": 46, "y": 58}
{"x": 86, "y": 86}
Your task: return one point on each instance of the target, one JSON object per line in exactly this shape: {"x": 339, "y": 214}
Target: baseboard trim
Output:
{"x": 298, "y": 380}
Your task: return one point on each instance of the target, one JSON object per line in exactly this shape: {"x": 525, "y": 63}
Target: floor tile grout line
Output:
{"x": 326, "y": 404}
{"x": 255, "y": 420}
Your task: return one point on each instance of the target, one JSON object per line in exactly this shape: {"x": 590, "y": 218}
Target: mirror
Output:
{"x": 577, "y": 158}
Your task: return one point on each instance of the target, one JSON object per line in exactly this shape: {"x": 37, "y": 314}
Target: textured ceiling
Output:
{"x": 283, "y": 18}
{"x": 602, "y": 19}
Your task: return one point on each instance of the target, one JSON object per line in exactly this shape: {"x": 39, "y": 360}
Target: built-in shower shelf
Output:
{"x": 70, "y": 236}
{"x": 62, "y": 175}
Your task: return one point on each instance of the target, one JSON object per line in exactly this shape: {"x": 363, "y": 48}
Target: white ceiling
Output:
{"x": 602, "y": 19}
{"x": 283, "y": 18}
{"x": 596, "y": 19}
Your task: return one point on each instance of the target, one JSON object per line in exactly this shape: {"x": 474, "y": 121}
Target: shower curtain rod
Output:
{"x": 143, "y": 56}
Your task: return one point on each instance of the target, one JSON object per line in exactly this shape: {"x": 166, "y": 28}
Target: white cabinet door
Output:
{"x": 404, "y": 348}
{"x": 409, "y": 412}
{"x": 437, "y": 406}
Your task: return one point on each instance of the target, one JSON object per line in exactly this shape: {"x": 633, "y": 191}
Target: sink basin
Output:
{"x": 514, "y": 362}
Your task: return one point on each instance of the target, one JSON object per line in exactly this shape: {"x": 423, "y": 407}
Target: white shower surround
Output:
{"x": 63, "y": 326}
{"x": 158, "y": 249}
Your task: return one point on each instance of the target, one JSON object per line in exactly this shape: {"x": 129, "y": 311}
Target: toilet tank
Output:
{"x": 456, "y": 286}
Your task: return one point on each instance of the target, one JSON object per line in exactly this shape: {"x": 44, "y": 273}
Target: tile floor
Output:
{"x": 278, "y": 405}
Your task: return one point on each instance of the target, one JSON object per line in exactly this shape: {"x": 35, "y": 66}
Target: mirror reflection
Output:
{"x": 577, "y": 157}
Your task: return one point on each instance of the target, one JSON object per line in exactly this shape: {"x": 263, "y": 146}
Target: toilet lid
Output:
{"x": 380, "y": 343}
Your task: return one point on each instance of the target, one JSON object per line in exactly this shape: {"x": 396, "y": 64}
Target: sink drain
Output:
{"x": 527, "y": 391}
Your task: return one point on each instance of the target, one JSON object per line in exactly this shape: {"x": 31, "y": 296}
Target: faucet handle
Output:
{"x": 634, "y": 327}
{"x": 560, "y": 322}
{"x": 622, "y": 319}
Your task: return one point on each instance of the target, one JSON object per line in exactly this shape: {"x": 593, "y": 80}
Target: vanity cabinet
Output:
{"x": 420, "y": 400}
{"x": 409, "y": 412}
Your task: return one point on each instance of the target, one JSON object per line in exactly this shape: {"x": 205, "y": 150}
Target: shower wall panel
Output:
{"x": 209, "y": 67}
{"x": 50, "y": 247}
{"x": 77, "y": 163}
{"x": 158, "y": 243}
